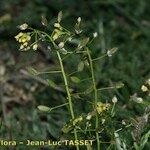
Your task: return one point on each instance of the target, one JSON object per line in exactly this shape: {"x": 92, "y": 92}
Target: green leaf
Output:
{"x": 119, "y": 85}
{"x": 32, "y": 71}
{"x": 81, "y": 66}
{"x": 67, "y": 128}
{"x": 51, "y": 83}
{"x": 44, "y": 21}
{"x": 144, "y": 140}
{"x": 119, "y": 144}
{"x": 75, "y": 79}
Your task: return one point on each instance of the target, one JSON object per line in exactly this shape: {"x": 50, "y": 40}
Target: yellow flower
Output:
{"x": 55, "y": 36}
{"x": 57, "y": 25}
{"x": 144, "y": 88}
{"x": 102, "y": 107}
{"x": 77, "y": 120}
{"x": 23, "y": 39}
{"x": 18, "y": 36}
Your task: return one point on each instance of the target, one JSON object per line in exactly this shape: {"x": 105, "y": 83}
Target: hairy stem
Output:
{"x": 68, "y": 94}
{"x": 95, "y": 95}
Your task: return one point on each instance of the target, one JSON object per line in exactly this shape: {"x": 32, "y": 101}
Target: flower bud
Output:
{"x": 114, "y": 100}
{"x": 61, "y": 45}
{"x": 23, "y": 26}
{"x": 112, "y": 51}
{"x": 35, "y": 46}
{"x": 95, "y": 34}
{"x": 79, "y": 19}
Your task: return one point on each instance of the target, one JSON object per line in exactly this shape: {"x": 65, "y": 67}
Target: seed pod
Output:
{"x": 44, "y": 108}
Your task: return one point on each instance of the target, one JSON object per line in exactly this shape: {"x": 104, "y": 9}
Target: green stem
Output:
{"x": 59, "y": 106}
{"x": 98, "y": 58}
{"x": 95, "y": 95}
{"x": 66, "y": 84}
{"x": 49, "y": 72}
{"x": 106, "y": 88}
{"x": 68, "y": 94}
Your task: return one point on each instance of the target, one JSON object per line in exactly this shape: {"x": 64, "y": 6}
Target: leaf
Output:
{"x": 32, "y": 71}
{"x": 89, "y": 90}
{"x": 59, "y": 16}
{"x": 81, "y": 66}
{"x": 119, "y": 85}
{"x": 67, "y": 128}
{"x": 120, "y": 145}
{"x": 75, "y": 79}
{"x": 144, "y": 140}
{"x": 51, "y": 83}
{"x": 44, "y": 21}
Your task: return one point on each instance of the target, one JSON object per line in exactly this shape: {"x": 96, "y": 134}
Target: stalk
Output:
{"x": 65, "y": 82}
{"x": 95, "y": 95}
{"x": 68, "y": 94}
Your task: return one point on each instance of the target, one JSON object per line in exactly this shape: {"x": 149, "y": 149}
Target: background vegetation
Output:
{"x": 122, "y": 24}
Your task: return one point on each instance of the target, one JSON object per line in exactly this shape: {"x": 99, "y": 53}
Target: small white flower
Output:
{"x": 79, "y": 19}
{"x": 123, "y": 122}
{"x": 114, "y": 100}
{"x": 109, "y": 53}
{"x": 23, "y": 26}
{"x": 139, "y": 100}
{"x": 103, "y": 121}
{"x": 35, "y": 46}
{"x": 144, "y": 88}
{"x": 95, "y": 34}
{"x": 61, "y": 45}
{"x": 88, "y": 117}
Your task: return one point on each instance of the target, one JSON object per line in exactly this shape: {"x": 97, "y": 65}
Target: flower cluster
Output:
{"x": 100, "y": 107}
{"x": 57, "y": 31}
{"x": 23, "y": 39}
